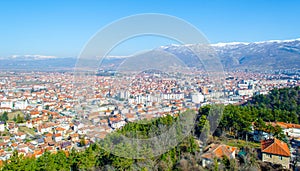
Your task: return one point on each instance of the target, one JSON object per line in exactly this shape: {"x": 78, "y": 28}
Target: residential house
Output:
{"x": 54, "y": 115}
{"x": 29, "y": 124}
{"x": 12, "y": 127}
{"x": 74, "y": 137}
{"x": 60, "y": 130}
{"x": 83, "y": 131}
{"x": 275, "y": 151}
{"x": 20, "y": 135}
{"x": 217, "y": 151}
{"x": 291, "y": 130}
{"x": 14, "y": 146}
{"x": 6, "y": 139}
{"x": 37, "y": 153}
{"x": 50, "y": 149}
{"x": 48, "y": 138}
{"x": 34, "y": 114}
{"x": 117, "y": 124}
{"x": 58, "y": 137}
{"x": 44, "y": 128}
{"x": 23, "y": 147}
{"x": 36, "y": 122}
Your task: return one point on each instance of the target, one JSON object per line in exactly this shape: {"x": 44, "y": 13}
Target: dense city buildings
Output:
{"x": 51, "y": 111}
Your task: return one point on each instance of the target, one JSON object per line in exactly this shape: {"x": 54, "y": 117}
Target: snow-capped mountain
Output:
{"x": 266, "y": 55}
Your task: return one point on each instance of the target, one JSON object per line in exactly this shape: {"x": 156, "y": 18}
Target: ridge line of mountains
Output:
{"x": 256, "y": 56}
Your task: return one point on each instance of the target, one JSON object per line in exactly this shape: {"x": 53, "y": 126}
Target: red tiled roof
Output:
{"x": 49, "y": 148}
{"x": 48, "y": 135}
{"x": 57, "y": 135}
{"x": 219, "y": 151}
{"x": 74, "y": 135}
{"x": 34, "y": 112}
{"x": 37, "y": 153}
{"x": 60, "y": 129}
{"x": 284, "y": 125}
{"x": 14, "y": 144}
{"x": 275, "y": 146}
{"x": 115, "y": 119}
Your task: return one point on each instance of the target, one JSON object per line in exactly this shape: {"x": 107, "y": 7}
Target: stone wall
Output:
{"x": 284, "y": 161}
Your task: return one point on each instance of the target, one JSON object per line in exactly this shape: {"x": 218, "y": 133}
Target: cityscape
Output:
{"x": 40, "y": 112}
{"x": 176, "y": 102}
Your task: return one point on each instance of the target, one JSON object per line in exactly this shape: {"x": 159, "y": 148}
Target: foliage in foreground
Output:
{"x": 96, "y": 158}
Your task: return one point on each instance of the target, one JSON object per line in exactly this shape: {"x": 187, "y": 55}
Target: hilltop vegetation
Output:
{"x": 279, "y": 105}
{"x": 282, "y": 104}
{"x": 95, "y": 157}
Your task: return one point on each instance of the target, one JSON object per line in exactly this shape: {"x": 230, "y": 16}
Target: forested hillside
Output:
{"x": 284, "y": 104}
{"x": 279, "y": 105}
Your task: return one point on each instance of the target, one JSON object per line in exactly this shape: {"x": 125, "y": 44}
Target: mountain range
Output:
{"x": 266, "y": 55}
{"x": 256, "y": 56}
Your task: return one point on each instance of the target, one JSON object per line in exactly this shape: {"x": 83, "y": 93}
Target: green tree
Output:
{"x": 260, "y": 124}
{"x": 4, "y": 116}
{"x": 19, "y": 119}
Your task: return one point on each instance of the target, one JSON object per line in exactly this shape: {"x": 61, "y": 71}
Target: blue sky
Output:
{"x": 62, "y": 28}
